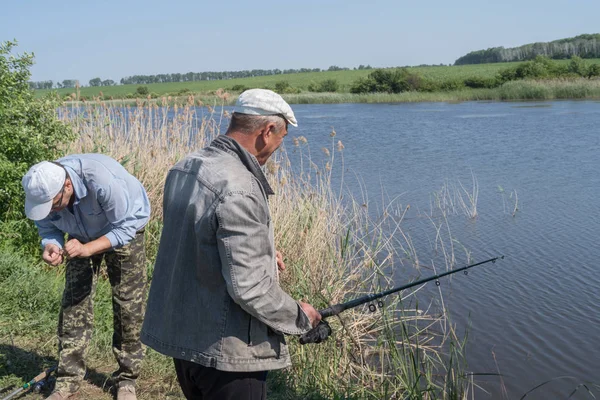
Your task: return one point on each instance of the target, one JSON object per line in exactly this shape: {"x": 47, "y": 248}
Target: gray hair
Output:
{"x": 246, "y": 123}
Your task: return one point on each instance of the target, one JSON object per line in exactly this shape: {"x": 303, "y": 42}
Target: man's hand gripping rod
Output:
{"x": 323, "y": 330}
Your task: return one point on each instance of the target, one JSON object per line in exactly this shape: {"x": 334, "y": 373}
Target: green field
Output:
{"x": 300, "y": 81}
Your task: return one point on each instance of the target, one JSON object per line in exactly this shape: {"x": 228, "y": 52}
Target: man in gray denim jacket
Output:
{"x": 215, "y": 304}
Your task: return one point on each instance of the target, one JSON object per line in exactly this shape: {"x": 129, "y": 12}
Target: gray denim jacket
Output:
{"x": 215, "y": 299}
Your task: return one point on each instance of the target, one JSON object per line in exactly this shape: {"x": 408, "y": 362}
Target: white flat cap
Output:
{"x": 264, "y": 102}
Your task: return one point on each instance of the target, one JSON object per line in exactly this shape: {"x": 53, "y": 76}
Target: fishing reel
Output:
{"x": 44, "y": 385}
{"x": 317, "y": 334}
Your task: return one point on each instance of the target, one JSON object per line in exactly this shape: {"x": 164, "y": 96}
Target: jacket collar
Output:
{"x": 232, "y": 147}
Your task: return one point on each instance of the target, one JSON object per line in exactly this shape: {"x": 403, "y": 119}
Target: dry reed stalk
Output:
{"x": 333, "y": 250}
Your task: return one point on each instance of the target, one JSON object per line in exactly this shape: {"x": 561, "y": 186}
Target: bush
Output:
{"x": 593, "y": 71}
{"x": 538, "y": 68}
{"x": 389, "y": 81}
{"x": 283, "y": 87}
{"x": 142, "y": 90}
{"x": 577, "y": 66}
{"x": 478, "y": 82}
{"x": 452, "y": 84}
{"x": 238, "y": 88}
{"x": 29, "y": 129}
{"x": 328, "y": 85}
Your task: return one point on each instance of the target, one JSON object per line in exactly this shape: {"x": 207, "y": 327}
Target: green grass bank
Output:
{"x": 449, "y": 78}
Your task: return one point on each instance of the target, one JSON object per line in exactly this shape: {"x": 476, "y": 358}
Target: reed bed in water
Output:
{"x": 334, "y": 250}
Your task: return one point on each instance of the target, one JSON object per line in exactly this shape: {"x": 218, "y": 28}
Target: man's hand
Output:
{"x": 75, "y": 248}
{"x": 279, "y": 258}
{"x": 312, "y": 314}
{"x": 52, "y": 254}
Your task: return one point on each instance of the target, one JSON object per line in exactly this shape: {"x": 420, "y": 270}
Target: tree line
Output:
{"x": 584, "y": 46}
{"x": 185, "y": 77}
{"x": 67, "y": 83}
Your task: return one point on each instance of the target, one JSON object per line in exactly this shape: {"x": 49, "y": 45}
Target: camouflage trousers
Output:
{"x": 126, "y": 269}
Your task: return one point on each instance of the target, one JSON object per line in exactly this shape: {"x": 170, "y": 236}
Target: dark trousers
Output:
{"x": 205, "y": 383}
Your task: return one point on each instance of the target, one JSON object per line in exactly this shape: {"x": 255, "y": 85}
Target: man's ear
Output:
{"x": 269, "y": 130}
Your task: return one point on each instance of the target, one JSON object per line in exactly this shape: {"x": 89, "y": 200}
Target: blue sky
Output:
{"x": 112, "y": 39}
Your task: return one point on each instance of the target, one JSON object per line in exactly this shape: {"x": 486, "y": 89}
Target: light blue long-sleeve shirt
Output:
{"x": 109, "y": 201}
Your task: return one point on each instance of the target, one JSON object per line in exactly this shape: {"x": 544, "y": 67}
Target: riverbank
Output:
{"x": 333, "y": 251}
{"x": 557, "y": 89}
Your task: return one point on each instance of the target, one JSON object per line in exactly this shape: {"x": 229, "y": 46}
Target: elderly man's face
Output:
{"x": 272, "y": 142}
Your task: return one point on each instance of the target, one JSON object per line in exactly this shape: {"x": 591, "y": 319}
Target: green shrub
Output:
{"x": 389, "y": 81}
{"x": 238, "y": 88}
{"x": 593, "y": 71}
{"x": 479, "y": 82}
{"x": 538, "y": 68}
{"x": 328, "y": 85}
{"x": 142, "y": 90}
{"x": 578, "y": 66}
{"x": 452, "y": 84}
{"x": 29, "y": 129}
{"x": 284, "y": 87}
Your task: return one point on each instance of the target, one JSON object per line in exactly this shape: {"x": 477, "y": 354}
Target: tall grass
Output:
{"x": 334, "y": 250}
{"x": 547, "y": 90}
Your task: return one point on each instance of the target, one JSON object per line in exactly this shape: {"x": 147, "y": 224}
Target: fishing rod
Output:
{"x": 323, "y": 330}
{"x": 36, "y": 383}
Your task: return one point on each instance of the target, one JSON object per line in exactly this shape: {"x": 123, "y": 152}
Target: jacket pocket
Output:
{"x": 263, "y": 342}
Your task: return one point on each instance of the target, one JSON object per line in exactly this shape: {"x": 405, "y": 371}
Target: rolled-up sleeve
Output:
{"x": 50, "y": 234}
{"x": 248, "y": 264}
{"x": 116, "y": 203}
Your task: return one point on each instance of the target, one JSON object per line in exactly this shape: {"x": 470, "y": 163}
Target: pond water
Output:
{"x": 532, "y": 317}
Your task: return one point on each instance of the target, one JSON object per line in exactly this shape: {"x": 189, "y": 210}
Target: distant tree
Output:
{"x": 142, "y": 90}
{"x": 585, "y": 46}
{"x": 108, "y": 82}
{"x": 95, "y": 82}
{"x": 41, "y": 85}
{"x": 69, "y": 83}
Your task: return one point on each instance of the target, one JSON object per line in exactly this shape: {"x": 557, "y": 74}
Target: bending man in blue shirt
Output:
{"x": 103, "y": 209}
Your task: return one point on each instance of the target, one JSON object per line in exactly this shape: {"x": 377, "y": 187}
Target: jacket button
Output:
{"x": 183, "y": 353}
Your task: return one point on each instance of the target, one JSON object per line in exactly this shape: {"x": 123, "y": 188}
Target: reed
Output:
{"x": 334, "y": 249}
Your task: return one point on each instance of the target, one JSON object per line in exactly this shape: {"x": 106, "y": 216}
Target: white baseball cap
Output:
{"x": 42, "y": 183}
{"x": 264, "y": 102}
